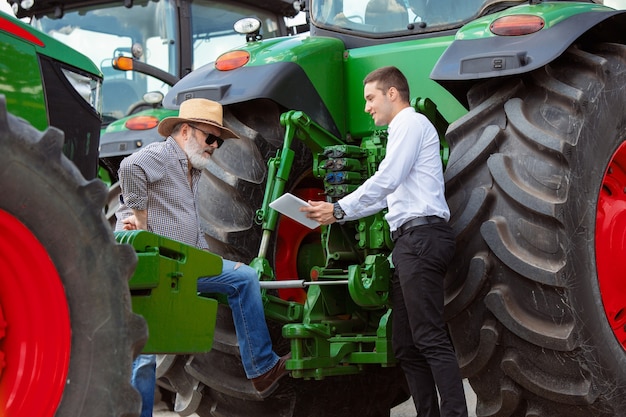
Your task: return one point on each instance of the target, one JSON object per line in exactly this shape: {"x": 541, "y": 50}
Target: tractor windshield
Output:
{"x": 155, "y": 33}
{"x": 394, "y": 17}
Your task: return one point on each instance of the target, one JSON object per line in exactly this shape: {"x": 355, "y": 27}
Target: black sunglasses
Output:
{"x": 210, "y": 137}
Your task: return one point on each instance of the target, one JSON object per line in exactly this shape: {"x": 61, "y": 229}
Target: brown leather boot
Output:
{"x": 267, "y": 383}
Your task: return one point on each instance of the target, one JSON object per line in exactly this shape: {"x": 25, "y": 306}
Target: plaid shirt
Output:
{"x": 155, "y": 179}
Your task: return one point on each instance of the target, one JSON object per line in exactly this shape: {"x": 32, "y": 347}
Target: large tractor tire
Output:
{"x": 67, "y": 333}
{"x": 536, "y": 299}
{"x": 214, "y": 384}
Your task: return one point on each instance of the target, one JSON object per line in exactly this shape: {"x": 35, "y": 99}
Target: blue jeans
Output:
{"x": 143, "y": 378}
{"x": 241, "y": 285}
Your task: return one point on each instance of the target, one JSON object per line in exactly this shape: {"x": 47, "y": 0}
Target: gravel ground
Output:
{"x": 406, "y": 409}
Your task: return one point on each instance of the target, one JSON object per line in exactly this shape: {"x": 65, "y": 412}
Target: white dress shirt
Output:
{"x": 409, "y": 180}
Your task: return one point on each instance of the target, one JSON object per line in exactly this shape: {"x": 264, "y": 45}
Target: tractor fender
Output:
{"x": 285, "y": 83}
{"x": 468, "y": 60}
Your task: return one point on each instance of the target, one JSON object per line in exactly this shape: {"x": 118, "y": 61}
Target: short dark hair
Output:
{"x": 388, "y": 77}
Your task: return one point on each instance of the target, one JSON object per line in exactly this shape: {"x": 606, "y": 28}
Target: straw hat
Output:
{"x": 197, "y": 110}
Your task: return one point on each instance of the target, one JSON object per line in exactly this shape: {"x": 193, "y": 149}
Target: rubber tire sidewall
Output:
{"x": 584, "y": 372}
{"x": 45, "y": 192}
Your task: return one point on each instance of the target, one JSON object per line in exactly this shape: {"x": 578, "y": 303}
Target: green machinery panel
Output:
{"x": 164, "y": 292}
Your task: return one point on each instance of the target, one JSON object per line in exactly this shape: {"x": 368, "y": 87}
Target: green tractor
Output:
{"x": 528, "y": 97}
{"x": 67, "y": 332}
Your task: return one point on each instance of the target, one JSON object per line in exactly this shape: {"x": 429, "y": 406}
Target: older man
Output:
{"x": 159, "y": 188}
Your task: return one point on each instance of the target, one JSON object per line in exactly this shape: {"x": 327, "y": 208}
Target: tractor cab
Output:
{"x": 166, "y": 39}
{"x": 392, "y": 18}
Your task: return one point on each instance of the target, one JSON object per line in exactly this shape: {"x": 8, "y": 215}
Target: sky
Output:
{"x": 4, "y": 6}
{"x": 619, "y": 4}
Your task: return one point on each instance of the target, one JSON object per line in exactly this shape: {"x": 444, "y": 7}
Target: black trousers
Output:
{"x": 420, "y": 338}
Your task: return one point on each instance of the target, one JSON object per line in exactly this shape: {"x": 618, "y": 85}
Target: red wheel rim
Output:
{"x": 611, "y": 243}
{"x": 34, "y": 325}
{"x": 289, "y": 238}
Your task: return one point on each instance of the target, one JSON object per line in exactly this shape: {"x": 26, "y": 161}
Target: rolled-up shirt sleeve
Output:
{"x": 135, "y": 175}
{"x": 371, "y": 196}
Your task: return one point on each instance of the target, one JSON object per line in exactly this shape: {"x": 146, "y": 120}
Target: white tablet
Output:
{"x": 289, "y": 204}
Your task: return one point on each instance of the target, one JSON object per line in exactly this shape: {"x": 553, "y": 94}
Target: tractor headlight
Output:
{"x": 247, "y": 25}
{"x": 88, "y": 87}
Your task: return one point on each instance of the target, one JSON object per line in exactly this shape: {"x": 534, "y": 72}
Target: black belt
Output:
{"x": 418, "y": 221}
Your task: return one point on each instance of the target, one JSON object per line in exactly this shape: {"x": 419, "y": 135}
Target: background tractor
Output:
{"x": 142, "y": 48}
{"x": 528, "y": 97}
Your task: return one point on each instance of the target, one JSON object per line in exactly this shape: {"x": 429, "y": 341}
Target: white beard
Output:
{"x": 196, "y": 154}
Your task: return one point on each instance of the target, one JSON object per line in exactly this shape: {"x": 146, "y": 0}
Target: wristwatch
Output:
{"x": 338, "y": 212}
